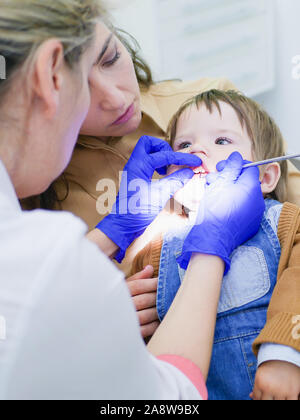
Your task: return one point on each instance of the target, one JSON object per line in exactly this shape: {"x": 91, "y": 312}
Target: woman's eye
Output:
{"x": 184, "y": 145}
{"x": 223, "y": 141}
{"x": 113, "y": 60}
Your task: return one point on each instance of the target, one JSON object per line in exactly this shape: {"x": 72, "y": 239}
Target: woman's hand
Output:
{"x": 276, "y": 380}
{"x": 140, "y": 199}
{"x": 229, "y": 214}
{"x": 143, "y": 289}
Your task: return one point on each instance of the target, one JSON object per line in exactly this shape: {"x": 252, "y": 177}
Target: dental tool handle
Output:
{"x": 265, "y": 162}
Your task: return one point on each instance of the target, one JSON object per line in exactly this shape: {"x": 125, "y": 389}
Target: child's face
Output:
{"x": 212, "y": 137}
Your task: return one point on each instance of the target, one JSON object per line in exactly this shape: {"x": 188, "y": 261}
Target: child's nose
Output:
{"x": 199, "y": 150}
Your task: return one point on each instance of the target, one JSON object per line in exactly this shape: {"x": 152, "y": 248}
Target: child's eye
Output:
{"x": 184, "y": 145}
{"x": 223, "y": 141}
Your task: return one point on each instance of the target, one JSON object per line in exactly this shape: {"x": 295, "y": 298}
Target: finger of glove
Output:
{"x": 163, "y": 159}
{"x": 150, "y": 145}
{"x": 250, "y": 177}
{"x": 141, "y": 153}
{"x": 249, "y": 184}
{"x": 228, "y": 170}
{"x": 173, "y": 183}
{"x": 233, "y": 167}
{"x": 246, "y": 162}
{"x": 221, "y": 165}
{"x": 211, "y": 178}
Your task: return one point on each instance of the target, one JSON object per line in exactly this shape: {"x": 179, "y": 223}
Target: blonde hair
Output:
{"x": 267, "y": 140}
{"x": 26, "y": 24}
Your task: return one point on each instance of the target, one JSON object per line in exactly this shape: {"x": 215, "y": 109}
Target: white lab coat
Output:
{"x": 71, "y": 327}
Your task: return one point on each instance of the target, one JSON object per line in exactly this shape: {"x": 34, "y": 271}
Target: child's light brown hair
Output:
{"x": 267, "y": 140}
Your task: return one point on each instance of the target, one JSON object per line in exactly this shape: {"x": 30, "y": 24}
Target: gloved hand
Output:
{"x": 229, "y": 214}
{"x": 140, "y": 199}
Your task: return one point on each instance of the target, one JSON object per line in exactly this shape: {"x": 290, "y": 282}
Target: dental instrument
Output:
{"x": 265, "y": 162}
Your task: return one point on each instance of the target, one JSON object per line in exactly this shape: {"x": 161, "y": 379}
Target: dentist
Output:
{"x": 71, "y": 328}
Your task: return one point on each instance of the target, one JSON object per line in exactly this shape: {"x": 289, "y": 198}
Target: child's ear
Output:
{"x": 269, "y": 177}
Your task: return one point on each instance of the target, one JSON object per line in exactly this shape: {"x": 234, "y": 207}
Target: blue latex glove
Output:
{"x": 229, "y": 214}
{"x": 140, "y": 199}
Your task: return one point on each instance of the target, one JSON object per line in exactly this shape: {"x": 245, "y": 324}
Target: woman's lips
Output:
{"x": 125, "y": 117}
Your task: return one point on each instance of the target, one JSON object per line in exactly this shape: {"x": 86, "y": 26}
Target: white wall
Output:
{"x": 138, "y": 17}
{"x": 188, "y": 39}
{"x": 283, "y": 102}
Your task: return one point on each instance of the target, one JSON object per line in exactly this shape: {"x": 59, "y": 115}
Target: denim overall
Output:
{"x": 244, "y": 300}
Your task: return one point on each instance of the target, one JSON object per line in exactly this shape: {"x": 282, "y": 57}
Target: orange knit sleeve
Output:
{"x": 283, "y": 319}
{"x": 150, "y": 255}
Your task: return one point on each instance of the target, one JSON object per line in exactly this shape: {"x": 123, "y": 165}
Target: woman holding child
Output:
{"x": 125, "y": 105}
{"x": 71, "y": 328}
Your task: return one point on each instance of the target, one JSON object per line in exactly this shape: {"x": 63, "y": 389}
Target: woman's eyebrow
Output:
{"x": 104, "y": 49}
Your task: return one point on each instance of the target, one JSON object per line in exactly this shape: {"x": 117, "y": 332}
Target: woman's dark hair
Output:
{"x": 49, "y": 199}
{"x": 142, "y": 70}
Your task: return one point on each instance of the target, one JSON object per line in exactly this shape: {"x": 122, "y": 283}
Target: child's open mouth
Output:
{"x": 201, "y": 170}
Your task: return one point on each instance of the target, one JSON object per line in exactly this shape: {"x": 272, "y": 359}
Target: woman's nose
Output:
{"x": 112, "y": 99}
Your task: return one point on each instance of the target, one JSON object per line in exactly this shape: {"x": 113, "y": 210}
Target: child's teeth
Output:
{"x": 198, "y": 170}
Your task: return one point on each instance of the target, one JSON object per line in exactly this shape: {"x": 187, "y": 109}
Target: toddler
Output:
{"x": 212, "y": 125}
